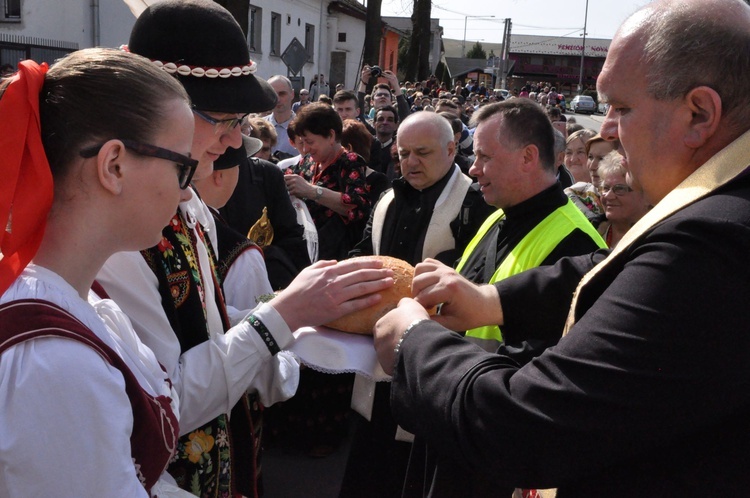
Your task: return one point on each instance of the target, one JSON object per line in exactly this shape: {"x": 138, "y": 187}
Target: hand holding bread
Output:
{"x": 363, "y": 320}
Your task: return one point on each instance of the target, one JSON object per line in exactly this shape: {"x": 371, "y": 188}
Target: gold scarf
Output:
{"x": 717, "y": 171}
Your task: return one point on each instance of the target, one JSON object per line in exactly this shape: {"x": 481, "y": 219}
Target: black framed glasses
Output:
{"x": 221, "y": 126}
{"x": 619, "y": 189}
{"x": 185, "y": 164}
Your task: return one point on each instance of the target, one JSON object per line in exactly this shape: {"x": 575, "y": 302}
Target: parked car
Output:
{"x": 502, "y": 92}
{"x": 583, "y": 103}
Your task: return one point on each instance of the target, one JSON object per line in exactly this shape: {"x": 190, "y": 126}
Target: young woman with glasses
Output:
{"x": 95, "y": 160}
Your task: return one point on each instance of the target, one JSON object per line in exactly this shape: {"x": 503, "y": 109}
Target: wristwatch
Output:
{"x": 318, "y": 193}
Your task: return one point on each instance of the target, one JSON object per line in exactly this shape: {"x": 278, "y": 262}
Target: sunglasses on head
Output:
{"x": 185, "y": 164}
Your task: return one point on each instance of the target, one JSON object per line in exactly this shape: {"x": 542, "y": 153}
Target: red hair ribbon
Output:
{"x": 26, "y": 189}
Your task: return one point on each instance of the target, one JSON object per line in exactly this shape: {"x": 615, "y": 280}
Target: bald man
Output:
{"x": 646, "y": 393}
{"x": 419, "y": 217}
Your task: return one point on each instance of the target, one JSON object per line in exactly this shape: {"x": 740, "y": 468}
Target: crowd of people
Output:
{"x": 588, "y": 280}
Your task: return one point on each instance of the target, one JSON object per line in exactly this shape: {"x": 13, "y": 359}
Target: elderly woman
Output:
{"x": 575, "y": 154}
{"x": 111, "y": 138}
{"x": 623, "y": 205}
{"x": 331, "y": 180}
{"x": 596, "y": 148}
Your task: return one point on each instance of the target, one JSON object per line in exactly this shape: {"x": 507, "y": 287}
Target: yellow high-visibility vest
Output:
{"x": 529, "y": 252}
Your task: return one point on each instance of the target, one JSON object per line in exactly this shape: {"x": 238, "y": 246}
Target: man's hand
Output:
{"x": 365, "y": 76}
{"x": 327, "y": 290}
{"x": 464, "y": 304}
{"x": 392, "y": 82}
{"x": 389, "y": 329}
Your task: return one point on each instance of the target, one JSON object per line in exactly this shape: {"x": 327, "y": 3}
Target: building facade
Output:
{"x": 556, "y": 61}
{"x": 331, "y": 32}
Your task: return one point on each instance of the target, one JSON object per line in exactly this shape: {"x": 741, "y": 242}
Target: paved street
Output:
{"x": 593, "y": 121}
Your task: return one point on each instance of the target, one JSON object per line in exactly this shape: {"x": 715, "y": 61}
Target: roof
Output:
{"x": 404, "y": 23}
{"x": 459, "y": 66}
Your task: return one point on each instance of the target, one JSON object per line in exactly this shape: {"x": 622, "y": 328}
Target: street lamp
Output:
{"x": 466, "y": 19}
{"x": 583, "y": 50}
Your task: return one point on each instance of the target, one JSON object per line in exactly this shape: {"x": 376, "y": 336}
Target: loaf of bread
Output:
{"x": 363, "y": 321}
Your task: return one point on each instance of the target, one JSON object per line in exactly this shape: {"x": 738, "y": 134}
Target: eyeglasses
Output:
{"x": 186, "y": 164}
{"x": 383, "y": 95}
{"x": 221, "y": 126}
{"x": 619, "y": 189}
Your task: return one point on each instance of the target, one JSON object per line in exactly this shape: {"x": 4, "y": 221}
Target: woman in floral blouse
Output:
{"x": 331, "y": 180}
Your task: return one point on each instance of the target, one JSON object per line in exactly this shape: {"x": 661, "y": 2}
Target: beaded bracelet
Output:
{"x": 264, "y": 333}
{"x": 411, "y": 326}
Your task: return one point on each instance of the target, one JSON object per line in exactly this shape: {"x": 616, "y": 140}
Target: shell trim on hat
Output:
{"x": 208, "y": 72}
{"x": 201, "y": 71}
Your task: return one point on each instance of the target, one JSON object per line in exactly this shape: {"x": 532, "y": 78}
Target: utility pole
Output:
{"x": 583, "y": 50}
{"x": 506, "y": 52}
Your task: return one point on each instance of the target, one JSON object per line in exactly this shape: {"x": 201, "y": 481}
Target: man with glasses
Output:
{"x": 172, "y": 292}
{"x": 381, "y": 92}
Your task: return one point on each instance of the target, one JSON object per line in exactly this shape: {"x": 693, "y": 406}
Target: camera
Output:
{"x": 375, "y": 71}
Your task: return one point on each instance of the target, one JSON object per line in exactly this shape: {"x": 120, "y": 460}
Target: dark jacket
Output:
{"x": 647, "y": 396}
{"x": 261, "y": 184}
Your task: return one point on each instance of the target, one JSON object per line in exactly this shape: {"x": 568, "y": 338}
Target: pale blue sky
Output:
{"x": 529, "y": 17}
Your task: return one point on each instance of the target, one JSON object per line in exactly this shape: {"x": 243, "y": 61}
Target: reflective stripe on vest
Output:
{"x": 530, "y": 251}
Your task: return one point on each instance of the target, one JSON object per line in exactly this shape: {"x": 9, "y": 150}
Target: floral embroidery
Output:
{"x": 347, "y": 176}
{"x": 199, "y": 446}
{"x": 203, "y": 460}
{"x": 166, "y": 247}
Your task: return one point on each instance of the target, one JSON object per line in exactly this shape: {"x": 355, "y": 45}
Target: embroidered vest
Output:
{"x": 219, "y": 458}
{"x": 155, "y": 428}
{"x": 530, "y": 252}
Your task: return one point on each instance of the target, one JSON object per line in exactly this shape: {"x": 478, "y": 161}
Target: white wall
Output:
{"x": 71, "y": 21}
{"x": 355, "y": 41}
{"x": 308, "y": 11}
{"x": 61, "y": 20}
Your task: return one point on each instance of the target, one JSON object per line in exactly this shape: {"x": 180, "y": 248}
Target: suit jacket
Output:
{"x": 647, "y": 394}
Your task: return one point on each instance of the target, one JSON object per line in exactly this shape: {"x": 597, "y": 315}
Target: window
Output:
{"x": 12, "y": 9}
{"x": 342, "y": 37}
{"x": 275, "y": 34}
{"x": 310, "y": 41}
{"x": 254, "y": 28}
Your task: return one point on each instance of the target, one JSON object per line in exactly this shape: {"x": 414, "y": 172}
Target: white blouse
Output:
{"x": 212, "y": 376}
{"x": 65, "y": 418}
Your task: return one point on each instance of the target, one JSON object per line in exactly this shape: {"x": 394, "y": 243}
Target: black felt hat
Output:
{"x": 203, "y": 46}
{"x": 233, "y": 157}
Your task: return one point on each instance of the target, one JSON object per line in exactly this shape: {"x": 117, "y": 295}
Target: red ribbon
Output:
{"x": 26, "y": 188}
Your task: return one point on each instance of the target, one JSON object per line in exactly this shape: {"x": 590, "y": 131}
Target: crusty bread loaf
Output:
{"x": 363, "y": 321}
